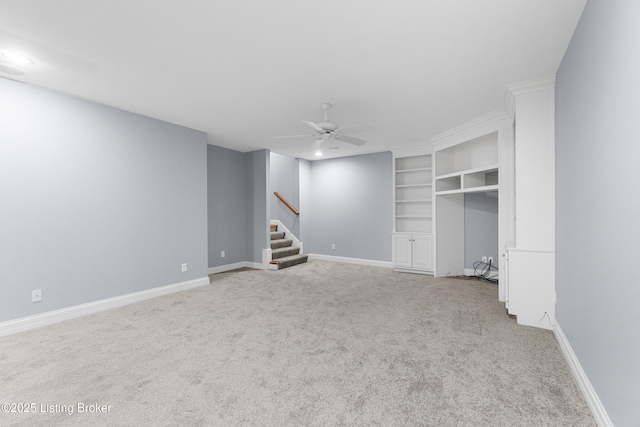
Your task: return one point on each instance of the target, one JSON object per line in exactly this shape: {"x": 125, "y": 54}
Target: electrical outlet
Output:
{"x": 484, "y": 259}
{"x": 333, "y": 246}
{"x": 491, "y": 260}
{"x": 222, "y": 254}
{"x": 36, "y": 295}
{"x": 184, "y": 267}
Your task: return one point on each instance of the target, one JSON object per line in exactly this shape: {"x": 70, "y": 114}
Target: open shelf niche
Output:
{"x": 470, "y": 166}
{"x": 472, "y": 158}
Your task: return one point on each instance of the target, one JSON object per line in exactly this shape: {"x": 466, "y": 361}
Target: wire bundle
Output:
{"x": 485, "y": 271}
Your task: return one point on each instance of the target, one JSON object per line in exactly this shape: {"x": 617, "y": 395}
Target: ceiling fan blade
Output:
{"x": 314, "y": 126}
{"x": 361, "y": 128}
{"x": 295, "y": 136}
{"x": 349, "y": 139}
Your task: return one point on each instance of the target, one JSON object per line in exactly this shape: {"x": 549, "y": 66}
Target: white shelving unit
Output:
{"x": 479, "y": 179}
{"x": 413, "y": 211}
{"x": 474, "y": 157}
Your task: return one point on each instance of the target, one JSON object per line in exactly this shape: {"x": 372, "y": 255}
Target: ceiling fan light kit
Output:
{"x": 328, "y": 130}
{"x": 317, "y": 148}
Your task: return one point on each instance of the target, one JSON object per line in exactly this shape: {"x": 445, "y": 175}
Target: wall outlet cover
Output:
{"x": 36, "y": 295}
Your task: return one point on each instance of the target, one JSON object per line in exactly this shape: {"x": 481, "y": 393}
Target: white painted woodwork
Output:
{"x": 449, "y": 235}
{"x": 413, "y": 252}
{"x": 422, "y": 252}
{"x": 531, "y": 259}
{"x": 476, "y": 156}
{"x": 535, "y": 165}
{"x": 532, "y": 287}
{"x": 402, "y": 254}
{"x": 413, "y": 209}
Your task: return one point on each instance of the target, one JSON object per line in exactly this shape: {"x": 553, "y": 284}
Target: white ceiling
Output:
{"x": 245, "y": 71}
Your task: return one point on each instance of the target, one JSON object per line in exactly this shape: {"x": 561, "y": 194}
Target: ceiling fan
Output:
{"x": 327, "y": 130}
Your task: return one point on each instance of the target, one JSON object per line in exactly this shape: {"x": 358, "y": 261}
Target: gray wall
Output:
{"x": 284, "y": 178}
{"x": 351, "y": 206}
{"x": 96, "y": 202}
{"x": 305, "y": 198}
{"x": 227, "y": 206}
{"x": 257, "y": 216}
{"x": 480, "y": 227}
{"x": 597, "y": 202}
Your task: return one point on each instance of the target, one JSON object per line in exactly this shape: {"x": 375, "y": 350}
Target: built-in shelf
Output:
{"x": 413, "y": 170}
{"x": 413, "y": 211}
{"x": 472, "y": 180}
{"x": 413, "y": 224}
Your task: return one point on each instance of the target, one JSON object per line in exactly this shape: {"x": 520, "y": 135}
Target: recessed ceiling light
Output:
{"x": 17, "y": 58}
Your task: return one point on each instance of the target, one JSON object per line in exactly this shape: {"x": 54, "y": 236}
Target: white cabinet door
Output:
{"x": 413, "y": 251}
{"x": 422, "y": 252}
{"x": 402, "y": 250}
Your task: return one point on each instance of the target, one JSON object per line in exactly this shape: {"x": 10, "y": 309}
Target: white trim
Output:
{"x": 542, "y": 251}
{"x": 347, "y": 260}
{"x": 235, "y": 266}
{"x": 413, "y": 271}
{"x": 480, "y": 126}
{"x": 55, "y": 316}
{"x": 423, "y": 149}
{"x": 593, "y": 401}
{"x": 533, "y": 85}
{"x": 256, "y": 265}
{"x": 521, "y": 88}
{"x": 266, "y": 257}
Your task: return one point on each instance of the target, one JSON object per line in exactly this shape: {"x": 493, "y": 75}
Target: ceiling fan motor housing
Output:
{"x": 328, "y": 126}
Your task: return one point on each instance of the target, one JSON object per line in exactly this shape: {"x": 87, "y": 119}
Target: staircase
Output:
{"x": 283, "y": 253}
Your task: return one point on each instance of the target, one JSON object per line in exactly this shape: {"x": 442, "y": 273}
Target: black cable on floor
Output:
{"x": 485, "y": 271}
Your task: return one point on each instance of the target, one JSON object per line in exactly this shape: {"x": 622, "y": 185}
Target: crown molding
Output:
{"x": 481, "y": 126}
{"x": 511, "y": 91}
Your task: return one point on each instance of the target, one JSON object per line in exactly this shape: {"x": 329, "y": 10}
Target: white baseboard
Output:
{"x": 235, "y": 266}
{"x": 50, "y": 317}
{"x": 257, "y": 265}
{"x": 347, "y": 260}
{"x": 593, "y": 401}
{"x": 413, "y": 271}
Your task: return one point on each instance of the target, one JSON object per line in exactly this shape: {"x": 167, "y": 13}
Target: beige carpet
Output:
{"x": 318, "y": 344}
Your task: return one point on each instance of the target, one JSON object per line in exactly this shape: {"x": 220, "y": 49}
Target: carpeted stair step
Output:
{"x": 288, "y": 261}
{"x": 284, "y": 252}
{"x": 281, "y": 243}
{"x": 277, "y": 235}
